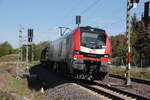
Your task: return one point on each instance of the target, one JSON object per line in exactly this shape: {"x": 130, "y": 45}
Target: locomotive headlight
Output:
{"x": 106, "y": 56}
{"x": 75, "y": 58}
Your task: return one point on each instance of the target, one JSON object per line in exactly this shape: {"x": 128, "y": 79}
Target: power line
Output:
{"x": 73, "y": 8}
{"x": 90, "y": 6}
{"x": 86, "y": 9}
{"x": 69, "y": 12}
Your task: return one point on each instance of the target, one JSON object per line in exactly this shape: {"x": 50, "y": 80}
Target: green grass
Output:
{"x": 140, "y": 73}
{"x": 9, "y": 84}
{"x": 11, "y": 57}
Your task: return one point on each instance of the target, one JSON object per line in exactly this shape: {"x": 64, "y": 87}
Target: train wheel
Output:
{"x": 65, "y": 70}
{"x": 45, "y": 64}
{"x": 103, "y": 75}
{"x": 55, "y": 67}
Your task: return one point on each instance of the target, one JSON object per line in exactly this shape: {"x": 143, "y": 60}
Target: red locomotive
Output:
{"x": 84, "y": 53}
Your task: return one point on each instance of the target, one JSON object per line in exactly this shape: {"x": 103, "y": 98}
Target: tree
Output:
{"x": 5, "y": 49}
{"x": 140, "y": 39}
{"x": 118, "y": 44}
{"x": 37, "y": 49}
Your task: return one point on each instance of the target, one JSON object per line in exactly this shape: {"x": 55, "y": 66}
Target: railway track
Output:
{"x": 110, "y": 92}
{"x": 133, "y": 79}
{"x": 102, "y": 90}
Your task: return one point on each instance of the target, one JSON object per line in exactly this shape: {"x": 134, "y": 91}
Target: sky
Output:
{"x": 45, "y": 16}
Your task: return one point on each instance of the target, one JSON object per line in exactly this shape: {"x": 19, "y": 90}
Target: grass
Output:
{"x": 10, "y": 85}
{"x": 11, "y": 57}
{"x": 140, "y": 73}
{"x": 19, "y": 87}
{"x": 6, "y": 96}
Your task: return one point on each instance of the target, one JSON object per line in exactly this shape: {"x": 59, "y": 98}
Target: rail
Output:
{"x": 133, "y": 79}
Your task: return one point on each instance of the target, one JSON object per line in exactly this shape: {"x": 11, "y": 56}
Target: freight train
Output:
{"x": 84, "y": 53}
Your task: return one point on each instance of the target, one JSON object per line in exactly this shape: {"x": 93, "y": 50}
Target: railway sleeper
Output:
{"x": 121, "y": 96}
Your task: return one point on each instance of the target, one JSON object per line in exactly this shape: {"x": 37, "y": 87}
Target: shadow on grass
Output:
{"x": 44, "y": 78}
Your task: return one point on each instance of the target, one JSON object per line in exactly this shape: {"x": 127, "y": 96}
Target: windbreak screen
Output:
{"x": 93, "y": 40}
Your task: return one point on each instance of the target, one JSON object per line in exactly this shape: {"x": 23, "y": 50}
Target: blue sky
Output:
{"x": 44, "y": 16}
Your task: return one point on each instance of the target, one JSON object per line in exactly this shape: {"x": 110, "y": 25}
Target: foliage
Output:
{"x": 15, "y": 51}
{"x": 37, "y": 48}
{"x": 141, "y": 45}
{"x": 5, "y": 49}
{"x": 140, "y": 48}
{"x": 37, "y": 52}
{"x": 118, "y": 44}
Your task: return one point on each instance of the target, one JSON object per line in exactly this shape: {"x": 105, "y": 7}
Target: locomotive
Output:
{"x": 84, "y": 53}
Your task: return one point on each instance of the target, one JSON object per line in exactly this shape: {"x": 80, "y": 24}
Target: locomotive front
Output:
{"x": 91, "y": 52}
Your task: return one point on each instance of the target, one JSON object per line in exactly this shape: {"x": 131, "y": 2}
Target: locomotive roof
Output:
{"x": 88, "y": 28}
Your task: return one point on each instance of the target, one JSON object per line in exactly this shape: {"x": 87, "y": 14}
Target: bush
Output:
{"x": 5, "y": 49}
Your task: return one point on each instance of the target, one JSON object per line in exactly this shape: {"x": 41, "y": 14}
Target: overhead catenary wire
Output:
{"x": 66, "y": 15}
{"x": 74, "y": 7}
{"x": 85, "y": 10}
{"x": 90, "y": 6}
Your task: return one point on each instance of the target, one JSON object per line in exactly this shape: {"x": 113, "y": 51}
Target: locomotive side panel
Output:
{"x": 69, "y": 46}
{"x": 60, "y": 49}
{"x": 57, "y": 50}
{"x": 51, "y": 51}
{"x": 63, "y": 50}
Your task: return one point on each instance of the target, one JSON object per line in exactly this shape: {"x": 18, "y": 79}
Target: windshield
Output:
{"x": 94, "y": 40}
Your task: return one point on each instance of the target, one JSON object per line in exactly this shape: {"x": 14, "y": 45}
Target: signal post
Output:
{"x": 130, "y": 4}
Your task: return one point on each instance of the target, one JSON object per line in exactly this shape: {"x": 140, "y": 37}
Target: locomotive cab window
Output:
{"x": 94, "y": 40}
